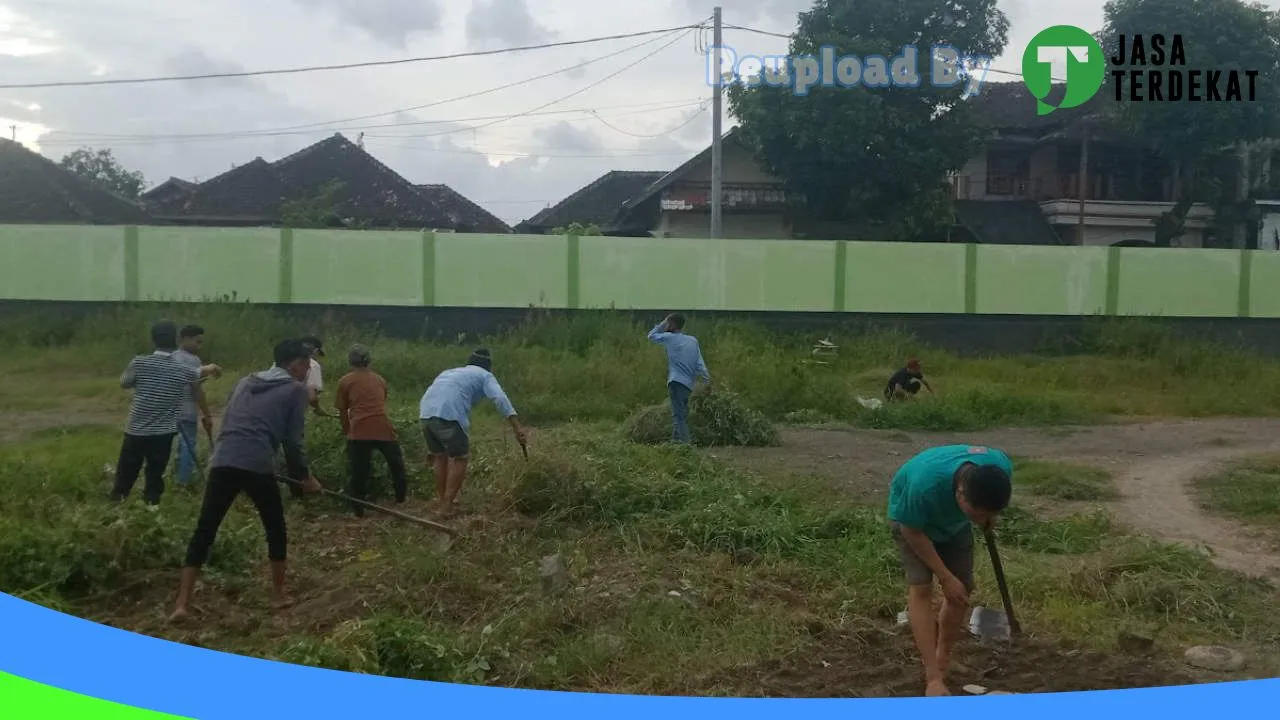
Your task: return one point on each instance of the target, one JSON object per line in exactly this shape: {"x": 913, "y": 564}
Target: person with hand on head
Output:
{"x": 906, "y": 382}
{"x": 267, "y": 411}
{"x": 361, "y": 402}
{"x": 445, "y": 412}
{"x": 195, "y": 409}
{"x": 684, "y": 366}
{"x": 160, "y": 385}
{"x": 315, "y": 374}
{"x": 933, "y": 501}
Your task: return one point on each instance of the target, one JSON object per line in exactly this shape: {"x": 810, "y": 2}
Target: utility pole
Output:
{"x": 13, "y": 133}
{"x": 716, "y": 91}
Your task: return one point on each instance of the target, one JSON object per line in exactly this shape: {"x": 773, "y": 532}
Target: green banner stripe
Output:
{"x": 286, "y": 266}
{"x": 842, "y": 273}
{"x": 1113, "y": 281}
{"x": 21, "y": 698}
{"x": 428, "y": 268}
{"x": 574, "y": 244}
{"x": 1245, "y": 306}
{"x": 970, "y": 278}
{"x": 131, "y": 284}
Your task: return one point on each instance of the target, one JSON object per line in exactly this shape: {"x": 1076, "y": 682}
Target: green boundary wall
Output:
{"x": 424, "y": 269}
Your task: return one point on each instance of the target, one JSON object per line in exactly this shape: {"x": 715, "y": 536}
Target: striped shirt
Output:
{"x": 160, "y": 384}
{"x": 190, "y": 410}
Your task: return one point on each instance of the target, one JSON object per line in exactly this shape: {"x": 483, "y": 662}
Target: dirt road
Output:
{"x": 1153, "y": 464}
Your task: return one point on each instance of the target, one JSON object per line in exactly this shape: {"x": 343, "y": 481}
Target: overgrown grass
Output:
{"x": 1249, "y": 491}
{"x": 671, "y": 554}
{"x": 600, "y": 367}
{"x": 1064, "y": 481}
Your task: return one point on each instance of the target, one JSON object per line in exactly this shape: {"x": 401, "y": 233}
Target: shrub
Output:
{"x": 715, "y": 419}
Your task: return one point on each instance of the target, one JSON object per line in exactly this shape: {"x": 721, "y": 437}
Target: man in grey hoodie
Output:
{"x": 267, "y": 410}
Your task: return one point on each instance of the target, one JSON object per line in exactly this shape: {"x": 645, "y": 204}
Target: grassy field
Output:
{"x": 685, "y": 574}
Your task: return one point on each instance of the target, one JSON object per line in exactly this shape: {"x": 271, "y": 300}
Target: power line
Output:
{"x": 692, "y": 116}
{"x": 345, "y": 66}
{"x": 479, "y": 93}
{"x": 577, "y": 156}
{"x": 585, "y": 88}
{"x": 69, "y": 138}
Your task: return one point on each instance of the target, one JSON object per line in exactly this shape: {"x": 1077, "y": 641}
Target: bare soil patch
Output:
{"x": 1153, "y": 463}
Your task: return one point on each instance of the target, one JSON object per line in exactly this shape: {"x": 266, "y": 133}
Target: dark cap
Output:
{"x": 480, "y": 357}
{"x": 289, "y": 352}
{"x": 315, "y": 343}
{"x": 359, "y": 356}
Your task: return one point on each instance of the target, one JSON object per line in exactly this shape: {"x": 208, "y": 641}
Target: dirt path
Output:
{"x": 1153, "y": 464}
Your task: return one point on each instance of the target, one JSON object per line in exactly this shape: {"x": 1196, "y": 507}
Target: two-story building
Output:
{"x": 1093, "y": 183}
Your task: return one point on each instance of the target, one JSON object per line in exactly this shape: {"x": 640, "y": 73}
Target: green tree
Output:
{"x": 316, "y": 211}
{"x": 102, "y": 169}
{"x": 577, "y": 228}
{"x": 1201, "y": 139}
{"x": 874, "y": 153}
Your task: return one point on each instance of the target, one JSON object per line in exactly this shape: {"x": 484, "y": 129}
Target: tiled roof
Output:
{"x": 464, "y": 215}
{"x": 665, "y": 181}
{"x": 1006, "y": 222}
{"x": 34, "y": 189}
{"x": 596, "y": 203}
{"x": 370, "y": 191}
{"x": 1010, "y": 107}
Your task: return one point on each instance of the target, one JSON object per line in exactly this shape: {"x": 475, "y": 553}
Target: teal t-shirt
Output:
{"x": 922, "y": 495}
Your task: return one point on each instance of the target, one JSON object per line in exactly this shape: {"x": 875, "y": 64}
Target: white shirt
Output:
{"x": 314, "y": 379}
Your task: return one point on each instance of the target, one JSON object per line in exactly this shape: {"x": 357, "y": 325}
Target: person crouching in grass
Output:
{"x": 933, "y": 501}
{"x": 361, "y": 403}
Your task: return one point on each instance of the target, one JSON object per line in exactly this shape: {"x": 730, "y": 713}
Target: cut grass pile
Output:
{"x": 715, "y": 419}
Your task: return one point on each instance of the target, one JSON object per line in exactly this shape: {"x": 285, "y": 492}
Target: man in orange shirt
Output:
{"x": 362, "y": 407}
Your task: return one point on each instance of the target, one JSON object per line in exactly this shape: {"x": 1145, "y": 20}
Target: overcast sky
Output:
{"x": 650, "y": 117}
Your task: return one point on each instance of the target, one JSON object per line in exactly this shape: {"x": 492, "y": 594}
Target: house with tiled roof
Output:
{"x": 1027, "y": 180}
{"x": 34, "y": 189}
{"x": 464, "y": 215}
{"x": 365, "y": 193}
{"x": 596, "y": 203}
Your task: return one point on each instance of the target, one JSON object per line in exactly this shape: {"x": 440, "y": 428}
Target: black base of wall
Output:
{"x": 961, "y": 334}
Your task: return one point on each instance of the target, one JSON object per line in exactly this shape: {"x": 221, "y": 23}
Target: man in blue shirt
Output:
{"x": 932, "y": 501}
{"x": 445, "y": 412}
{"x": 684, "y": 366}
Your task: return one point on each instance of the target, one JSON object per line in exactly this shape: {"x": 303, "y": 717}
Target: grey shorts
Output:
{"x": 445, "y": 437}
{"x": 956, "y": 554}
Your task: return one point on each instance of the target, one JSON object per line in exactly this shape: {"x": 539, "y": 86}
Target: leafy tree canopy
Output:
{"x": 1200, "y": 137}
{"x": 873, "y": 153}
{"x": 102, "y": 169}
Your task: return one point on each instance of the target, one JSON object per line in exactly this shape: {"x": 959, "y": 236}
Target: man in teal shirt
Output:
{"x": 932, "y": 501}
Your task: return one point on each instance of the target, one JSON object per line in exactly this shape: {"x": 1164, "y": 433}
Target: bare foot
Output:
{"x": 179, "y": 615}
{"x": 282, "y": 602}
{"x": 936, "y": 688}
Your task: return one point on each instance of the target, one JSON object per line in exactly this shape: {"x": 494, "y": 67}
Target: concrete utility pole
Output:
{"x": 717, "y": 168}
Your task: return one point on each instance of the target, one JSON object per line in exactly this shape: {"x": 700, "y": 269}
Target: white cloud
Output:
{"x": 513, "y": 167}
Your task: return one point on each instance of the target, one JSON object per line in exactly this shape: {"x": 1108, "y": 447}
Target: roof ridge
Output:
{"x": 468, "y": 202}
{"x": 586, "y": 189}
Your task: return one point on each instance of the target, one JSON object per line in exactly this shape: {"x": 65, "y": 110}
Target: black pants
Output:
{"x": 153, "y": 451}
{"x": 224, "y": 485}
{"x": 360, "y": 458}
